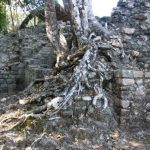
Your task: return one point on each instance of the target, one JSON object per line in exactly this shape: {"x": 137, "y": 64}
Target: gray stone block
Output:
{"x": 147, "y": 74}
{"x": 125, "y": 81}
{"x": 123, "y": 74}
{"x": 4, "y": 85}
{"x": 138, "y": 74}
{"x": 129, "y": 31}
{"x": 125, "y": 103}
{"x": 139, "y": 81}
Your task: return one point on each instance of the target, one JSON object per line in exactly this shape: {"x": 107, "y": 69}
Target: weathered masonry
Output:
{"x": 132, "y": 19}
{"x": 11, "y": 81}
{"x": 24, "y": 56}
{"x": 132, "y": 104}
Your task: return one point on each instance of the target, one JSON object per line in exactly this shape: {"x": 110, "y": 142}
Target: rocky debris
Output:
{"x": 129, "y": 31}
{"x": 132, "y": 19}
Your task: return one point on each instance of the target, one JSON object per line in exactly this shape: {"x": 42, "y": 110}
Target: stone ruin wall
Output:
{"x": 131, "y": 20}
{"x": 24, "y": 56}
{"x": 11, "y": 81}
{"x": 132, "y": 102}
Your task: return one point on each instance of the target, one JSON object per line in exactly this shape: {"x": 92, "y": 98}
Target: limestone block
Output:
{"x": 125, "y": 112}
{"x": 123, "y": 73}
{"x": 126, "y": 95}
{"x": 138, "y": 74}
{"x": 54, "y": 102}
{"x": 116, "y": 43}
{"x": 86, "y": 98}
{"x": 104, "y": 46}
{"x": 125, "y": 81}
{"x": 148, "y": 107}
{"x": 147, "y": 4}
{"x": 139, "y": 81}
{"x": 141, "y": 16}
{"x": 2, "y": 81}
{"x": 4, "y": 85}
{"x": 11, "y": 90}
{"x": 121, "y": 87}
{"x": 125, "y": 103}
{"x": 10, "y": 81}
{"x": 129, "y": 31}
{"x": 147, "y": 74}
{"x": 11, "y": 76}
{"x": 140, "y": 90}
{"x": 148, "y": 117}
{"x": 4, "y": 90}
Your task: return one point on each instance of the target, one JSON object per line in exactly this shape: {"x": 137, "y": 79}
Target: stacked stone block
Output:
{"x": 130, "y": 104}
{"x": 11, "y": 79}
{"x": 132, "y": 17}
{"x": 25, "y": 55}
{"x": 7, "y": 83}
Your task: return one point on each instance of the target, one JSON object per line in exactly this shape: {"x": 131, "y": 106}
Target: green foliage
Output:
{"x": 3, "y": 20}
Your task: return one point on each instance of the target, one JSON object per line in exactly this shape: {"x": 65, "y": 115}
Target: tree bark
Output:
{"x": 79, "y": 18}
{"x": 11, "y": 15}
{"x": 51, "y": 24}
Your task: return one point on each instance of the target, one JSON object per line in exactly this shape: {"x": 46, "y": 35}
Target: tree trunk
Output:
{"x": 52, "y": 28}
{"x": 84, "y": 26}
{"x": 12, "y": 19}
{"x": 79, "y": 18}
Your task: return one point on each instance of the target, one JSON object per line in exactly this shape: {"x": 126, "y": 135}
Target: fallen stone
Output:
{"x": 125, "y": 103}
{"x": 135, "y": 53}
{"x": 141, "y": 16}
{"x": 54, "y": 103}
{"x": 116, "y": 43}
{"x": 23, "y": 101}
{"x": 86, "y": 98}
{"x": 104, "y": 46}
{"x": 129, "y": 31}
{"x": 3, "y": 99}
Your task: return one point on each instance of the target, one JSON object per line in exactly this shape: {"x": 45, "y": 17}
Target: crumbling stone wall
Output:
{"x": 24, "y": 56}
{"x": 132, "y": 21}
{"x": 12, "y": 80}
{"x": 132, "y": 104}
{"x": 7, "y": 83}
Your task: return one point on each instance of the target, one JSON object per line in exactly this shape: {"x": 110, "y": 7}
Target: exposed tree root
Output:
{"x": 36, "y": 140}
{"x": 20, "y": 120}
{"x": 80, "y": 76}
